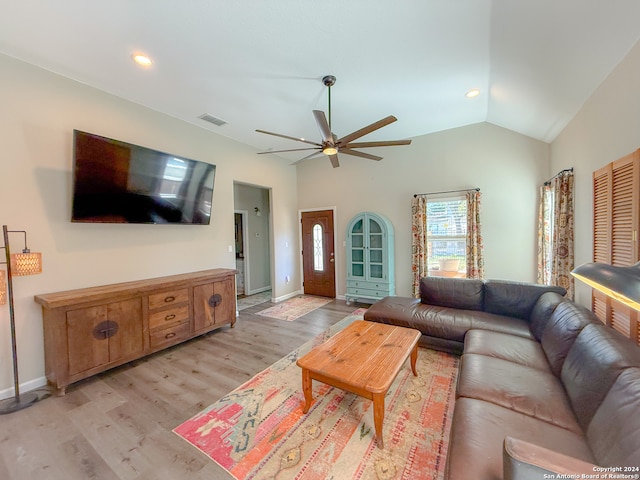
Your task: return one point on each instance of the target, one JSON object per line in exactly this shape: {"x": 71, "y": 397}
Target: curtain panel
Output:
{"x": 563, "y": 256}
{"x": 545, "y": 216}
{"x": 555, "y": 233}
{"x": 475, "y": 248}
{"x": 418, "y": 241}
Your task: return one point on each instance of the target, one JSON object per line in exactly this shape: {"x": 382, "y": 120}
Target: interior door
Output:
{"x": 318, "y": 255}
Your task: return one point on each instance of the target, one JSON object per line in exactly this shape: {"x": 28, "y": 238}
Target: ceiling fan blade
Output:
{"x": 334, "y": 161}
{"x": 319, "y": 149}
{"x": 389, "y": 143}
{"x": 355, "y": 153}
{"x": 290, "y": 138}
{"x": 368, "y": 129}
{"x": 314, "y": 154}
{"x": 323, "y": 125}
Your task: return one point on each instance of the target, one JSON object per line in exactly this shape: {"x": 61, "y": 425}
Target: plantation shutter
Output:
{"x": 616, "y": 221}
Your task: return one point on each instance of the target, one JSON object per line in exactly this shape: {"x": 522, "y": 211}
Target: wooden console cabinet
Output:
{"x": 90, "y": 330}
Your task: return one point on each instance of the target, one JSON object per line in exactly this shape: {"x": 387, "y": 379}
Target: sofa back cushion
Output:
{"x": 562, "y": 329}
{"x": 593, "y": 364}
{"x": 542, "y": 311}
{"x": 614, "y": 432}
{"x": 463, "y": 293}
{"x": 514, "y": 299}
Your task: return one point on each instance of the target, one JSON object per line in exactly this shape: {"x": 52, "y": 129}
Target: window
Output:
{"x": 447, "y": 237}
{"x": 318, "y": 250}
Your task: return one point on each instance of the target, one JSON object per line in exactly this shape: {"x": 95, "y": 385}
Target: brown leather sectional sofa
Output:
{"x": 543, "y": 389}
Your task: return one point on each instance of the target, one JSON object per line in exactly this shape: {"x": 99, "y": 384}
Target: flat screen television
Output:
{"x": 117, "y": 182}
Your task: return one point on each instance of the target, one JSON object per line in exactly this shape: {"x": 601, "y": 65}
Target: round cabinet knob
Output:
{"x": 215, "y": 300}
{"x": 105, "y": 329}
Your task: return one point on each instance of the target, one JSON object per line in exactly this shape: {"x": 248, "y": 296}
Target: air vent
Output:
{"x": 211, "y": 119}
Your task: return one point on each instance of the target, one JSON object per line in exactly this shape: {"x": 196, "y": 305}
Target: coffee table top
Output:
{"x": 365, "y": 355}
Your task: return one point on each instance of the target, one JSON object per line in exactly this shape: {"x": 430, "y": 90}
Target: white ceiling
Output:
{"x": 258, "y": 64}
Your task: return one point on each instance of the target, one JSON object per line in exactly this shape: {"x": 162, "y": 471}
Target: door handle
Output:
{"x": 332, "y": 260}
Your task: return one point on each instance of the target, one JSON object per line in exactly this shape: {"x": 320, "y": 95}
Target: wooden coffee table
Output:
{"x": 364, "y": 359}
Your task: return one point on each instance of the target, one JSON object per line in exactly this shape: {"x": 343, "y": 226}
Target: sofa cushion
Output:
{"x": 477, "y": 435}
{"x": 514, "y": 299}
{"x": 517, "y": 387}
{"x": 542, "y": 311}
{"x": 513, "y": 348}
{"x": 593, "y": 364}
{"x": 614, "y": 432}
{"x": 566, "y": 322}
{"x": 463, "y": 293}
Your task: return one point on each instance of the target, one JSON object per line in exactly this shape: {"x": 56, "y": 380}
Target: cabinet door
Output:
{"x": 85, "y": 350}
{"x": 128, "y": 341}
{"x": 357, "y": 249}
{"x": 375, "y": 250}
{"x": 103, "y": 334}
{"x": 213, "y": 304}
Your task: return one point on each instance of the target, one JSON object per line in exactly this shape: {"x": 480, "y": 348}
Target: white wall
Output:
{"x": 38, "y": 113}
{"x": 606, "y": 128}
{"x": 506, "y": 166}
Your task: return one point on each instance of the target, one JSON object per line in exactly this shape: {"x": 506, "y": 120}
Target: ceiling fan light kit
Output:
{"x": 331, "y": 144}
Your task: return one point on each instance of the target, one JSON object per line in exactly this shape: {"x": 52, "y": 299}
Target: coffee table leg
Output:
{"x": 307, "y": 390}
{"x": 414, "y": 357}
{"x": 378, "y": 416}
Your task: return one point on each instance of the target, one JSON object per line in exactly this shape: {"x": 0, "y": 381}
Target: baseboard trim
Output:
{"x": 287, "y": 296}
{"x": 24, "y": 387}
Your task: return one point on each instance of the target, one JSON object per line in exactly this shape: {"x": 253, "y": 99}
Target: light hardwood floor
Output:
{"x": 118, "y": 425}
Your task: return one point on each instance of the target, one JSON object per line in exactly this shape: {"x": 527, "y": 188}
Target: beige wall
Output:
{"x": 506, "y": 166}
{"x": 38, "y": 113}
{"x": 607, "y": 128}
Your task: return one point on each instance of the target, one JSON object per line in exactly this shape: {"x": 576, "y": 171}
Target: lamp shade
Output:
{"x": 620, "y": 283}
{"x": 26, "y": 263}
{"x": 3, "y": 287}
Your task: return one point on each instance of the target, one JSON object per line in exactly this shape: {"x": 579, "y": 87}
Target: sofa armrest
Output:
{"x": 527, "y": 461}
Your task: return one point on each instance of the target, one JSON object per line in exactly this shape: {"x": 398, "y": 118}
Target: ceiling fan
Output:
{"x": 331, "y": 144}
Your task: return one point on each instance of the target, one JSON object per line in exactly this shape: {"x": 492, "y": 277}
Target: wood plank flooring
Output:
{"x": 118, "y": 425}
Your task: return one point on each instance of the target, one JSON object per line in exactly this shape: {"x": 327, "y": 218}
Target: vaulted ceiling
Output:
{"x": 258, "y": 64}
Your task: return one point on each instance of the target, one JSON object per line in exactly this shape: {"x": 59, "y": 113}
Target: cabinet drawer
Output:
{"x": 367, "y": 292}
{"x": 369, "y": 285}
{"x": 170, "y": 335}
{"x": 172, "y": 297}
{"x": 165, "y": 318}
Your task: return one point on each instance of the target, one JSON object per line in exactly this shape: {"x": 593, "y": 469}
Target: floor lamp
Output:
{"x": 25, "y": 263}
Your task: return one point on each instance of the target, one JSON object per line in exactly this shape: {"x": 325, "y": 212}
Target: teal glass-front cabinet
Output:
{"x": 370, "y": 267}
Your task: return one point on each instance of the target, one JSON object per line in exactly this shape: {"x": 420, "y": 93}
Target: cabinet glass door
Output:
{"x": 376, "y": 266}
{"x": 357, "y": 249}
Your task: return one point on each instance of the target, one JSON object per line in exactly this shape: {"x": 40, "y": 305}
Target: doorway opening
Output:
{"x": 252, "y": 227}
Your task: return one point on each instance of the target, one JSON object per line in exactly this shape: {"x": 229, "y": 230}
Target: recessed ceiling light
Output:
{"x": 474, "y": 92}
{"x": 142, "y": 59}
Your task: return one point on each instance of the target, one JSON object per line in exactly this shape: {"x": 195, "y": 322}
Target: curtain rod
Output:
{"x": 561, "y": 172}
{"x": 447, "y": 191}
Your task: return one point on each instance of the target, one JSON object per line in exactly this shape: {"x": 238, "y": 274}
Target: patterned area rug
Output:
{"x": 295, "y": 307}
{"x": 258, "y": 431}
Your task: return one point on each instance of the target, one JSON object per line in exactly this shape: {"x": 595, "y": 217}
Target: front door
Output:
{"x": 318, "y": 258}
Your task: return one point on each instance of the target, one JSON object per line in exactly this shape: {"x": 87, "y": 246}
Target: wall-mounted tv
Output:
{"x": 117, "y": 182}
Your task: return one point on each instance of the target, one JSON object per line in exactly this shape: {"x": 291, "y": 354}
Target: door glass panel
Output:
{"x": 357, "y": 227}
{"x": 376, "y": 271}
{"x": 374, "y": 227}
{"x": 357, "y": 270}
{"x": 357, "y": 241}
{"x": 375, "y": 256}
{"x": 375, "y": 241}
{"x": 318, "y": 248}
